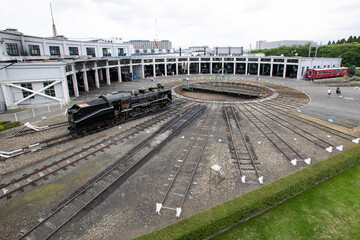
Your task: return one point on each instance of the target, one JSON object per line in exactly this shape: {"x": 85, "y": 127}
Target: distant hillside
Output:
{"x": 349, "y": 52}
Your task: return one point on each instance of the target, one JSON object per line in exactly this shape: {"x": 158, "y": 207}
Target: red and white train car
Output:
{"x": 326, "y": 73}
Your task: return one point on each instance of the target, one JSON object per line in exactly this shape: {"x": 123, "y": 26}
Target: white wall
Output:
{"x": 36, "y": 74}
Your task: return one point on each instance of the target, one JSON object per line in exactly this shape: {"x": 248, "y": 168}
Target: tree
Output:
{"x": 349, "y": 53}
{"x": 347, "y": 65}
{"x": 352, "y": 69}
{"x": 350, "y": 39}
{"x": 329, "y": 43}
{"x": 333, "y": 42}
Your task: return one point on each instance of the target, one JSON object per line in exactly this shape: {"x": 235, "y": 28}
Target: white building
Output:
{"x": 32, "y": 69}
{"x": 263, "y": 44}
{"x": 228, "y": 51}
{"x": 36, "y": 70}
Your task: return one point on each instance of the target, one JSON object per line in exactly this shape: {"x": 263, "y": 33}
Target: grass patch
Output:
{"x": 7, "y": 125}
{"x": 42, "y": 192}
{"x": 329, "y": 210}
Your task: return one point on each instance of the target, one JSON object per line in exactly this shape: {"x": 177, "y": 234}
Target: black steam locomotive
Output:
{"x": 116, "y": 107}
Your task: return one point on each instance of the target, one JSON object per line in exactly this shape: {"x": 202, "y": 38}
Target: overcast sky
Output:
{"x": 187, "y": 22}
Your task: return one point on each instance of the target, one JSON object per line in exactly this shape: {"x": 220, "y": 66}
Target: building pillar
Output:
{"x": 188, "y": 66}
{"x": 6, "y": 95}
{"x": 199, "y": 66}
{"x": 222, "y": 66}
{"x": 154, "y": 68}
{"x": 74, "y": 81}
{"x": 75, "y": 85}
{"x": 107, "y": 73}
{"x": 101, "y": 74}
{"x": 119, "y": 71}
{"x": 258, "y": 71}
{"x": 65, "y": 90}
{"x": 271, "y": 66}
{"x": 165, "y": 73}
{"x": 131, "y": 67}
{"x": 86, "y": 83}
{"x": 284, "y": 73}
{"x": 246, "y": 67}
{"x": 298, "y": 74}
{"x": 177, "y": 66}
{"x": 97, "y": 83}
{"x": 211, "y": 65}
{"x": 142, "y": 68}
{"x": 234, "y": 66}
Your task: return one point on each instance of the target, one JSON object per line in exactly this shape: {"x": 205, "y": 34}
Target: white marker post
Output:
{"x": 243, "y": 179}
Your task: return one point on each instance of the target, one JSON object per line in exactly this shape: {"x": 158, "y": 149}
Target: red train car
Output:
{"x": 326, "y": 73}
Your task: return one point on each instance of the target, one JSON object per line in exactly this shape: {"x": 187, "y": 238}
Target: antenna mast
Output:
{"x": 52, "y": 17}
{"x": 156, "y": 35}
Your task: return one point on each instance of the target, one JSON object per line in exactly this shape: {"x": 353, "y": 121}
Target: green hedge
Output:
{"x": 211, "y": 221}
{"x": 7, "y": 125}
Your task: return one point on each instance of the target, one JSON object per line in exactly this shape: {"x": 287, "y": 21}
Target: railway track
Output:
{"x": 49, "y": 225}
{"x": 313, "y": 124}
{"x": 240, "y": 148}
{"x": 20, "y": 133}
{"x": 175, "y": 195}
{"x": 288, "y": 151}
{"x": 51, "y": 142}
{"x": 44, "y": 144}
{"x": 297, "y": 130}
{"x": 67, "y": 160}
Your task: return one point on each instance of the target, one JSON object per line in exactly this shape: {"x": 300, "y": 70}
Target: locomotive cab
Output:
{"x": 89, "y": 115}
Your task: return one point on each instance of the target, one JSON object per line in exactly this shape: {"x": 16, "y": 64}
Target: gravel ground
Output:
{"x": 128, "y": 209}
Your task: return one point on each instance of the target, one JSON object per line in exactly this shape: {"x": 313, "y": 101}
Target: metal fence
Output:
{"x": 41, "y": 111}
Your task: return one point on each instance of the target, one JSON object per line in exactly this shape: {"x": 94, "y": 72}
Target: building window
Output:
{"x": 34, "y": 50}
{"x": 106, "y": 52}
{"x": 54, "y": 51}
{"x": 27, "y": 93}
{"x": 73, "y": 51}
{"x": 12, "y": 49}
{"x": 120, "y": 52}
{"x": 90, "y": 51}
{"x": 51, "y": 90}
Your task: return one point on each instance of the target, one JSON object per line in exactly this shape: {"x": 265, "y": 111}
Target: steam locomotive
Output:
{"x": 116, "y": 107}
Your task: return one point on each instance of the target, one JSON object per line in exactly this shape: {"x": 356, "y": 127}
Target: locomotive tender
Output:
{"x": 116, "y": 107}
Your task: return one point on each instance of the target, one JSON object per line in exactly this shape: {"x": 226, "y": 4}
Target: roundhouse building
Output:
{"x": 35, "y": 70}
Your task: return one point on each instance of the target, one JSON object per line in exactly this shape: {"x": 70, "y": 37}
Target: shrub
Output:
{"x": 357, "y": 73}
{"x": 1, "y": 128}
{"x": 352, "y": 70}
{"x": 8, "y": 124}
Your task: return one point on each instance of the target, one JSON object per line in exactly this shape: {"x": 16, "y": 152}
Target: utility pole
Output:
{"x": 52, "y": 17}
